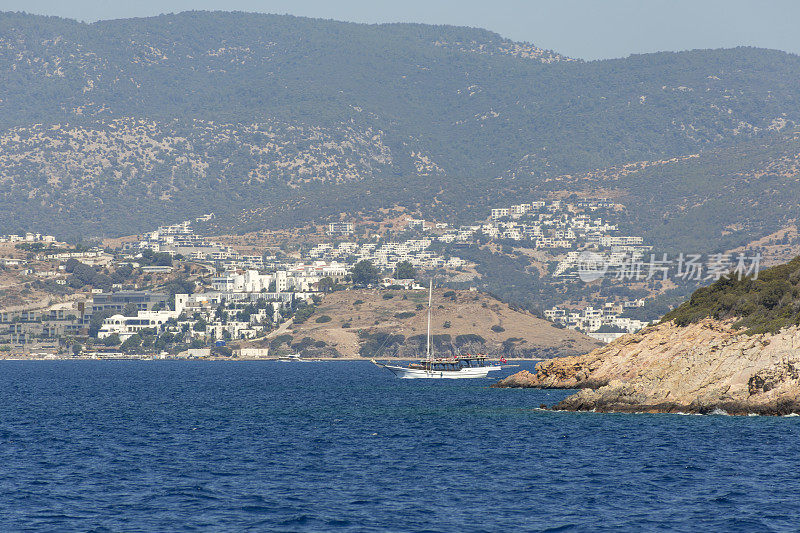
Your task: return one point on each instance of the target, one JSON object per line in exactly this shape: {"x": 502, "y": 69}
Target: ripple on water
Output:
{"x": 109, "y": 446}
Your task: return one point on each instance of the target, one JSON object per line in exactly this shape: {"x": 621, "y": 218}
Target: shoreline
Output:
{"x": 54, "y": 357}
{"x": 699, "y": 368}
{"x": 730, "y": 408}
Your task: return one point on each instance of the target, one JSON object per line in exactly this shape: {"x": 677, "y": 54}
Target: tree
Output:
{"x": 222, "y": 351}
{"x": 130, "y": 309}
{"x": 178, "y": 286}
{"x": 162, "y": 259}
{"x": 148, "y": 340}
{"x": 76, "y": 349}
{"x": 123, "y": 273}
{"x": 302, "y": 314}
{"x": 365, "y": 273}
{"x": 132, "y": 343}
{"x": 405, "y": 270}
{"x": 112, "y": 340}
{"x": 326, "y": 284}
{"x": 70, "y": 265}
{"x": 200, "y": 325}
{"x": 96, "y": 321}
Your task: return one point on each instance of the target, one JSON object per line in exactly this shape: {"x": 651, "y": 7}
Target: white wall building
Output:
{"x": 127, "y": 326}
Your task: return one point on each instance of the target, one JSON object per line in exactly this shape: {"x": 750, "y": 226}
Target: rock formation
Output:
{"x": 700, "y": 368}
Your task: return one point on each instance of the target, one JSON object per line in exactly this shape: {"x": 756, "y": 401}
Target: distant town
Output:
{"x": 174, "y": 292}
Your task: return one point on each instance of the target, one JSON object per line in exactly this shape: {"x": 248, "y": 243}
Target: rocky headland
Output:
{"x": 734, "y": 347}
{"x": 695, "y": 369}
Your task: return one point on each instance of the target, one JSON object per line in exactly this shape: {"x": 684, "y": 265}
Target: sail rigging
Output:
{"x": 430, "y": 299}
{"x": 469, "y": 366}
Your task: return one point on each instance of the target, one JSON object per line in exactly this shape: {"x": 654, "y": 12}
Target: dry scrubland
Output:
{"x": 356, "y": 316}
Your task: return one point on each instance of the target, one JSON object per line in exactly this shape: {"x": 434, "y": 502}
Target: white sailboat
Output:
{"x": 459, "y": 367}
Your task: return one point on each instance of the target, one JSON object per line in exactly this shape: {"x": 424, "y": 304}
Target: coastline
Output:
{"x": 135, "y": 357}
{"x": 702, "y": 368}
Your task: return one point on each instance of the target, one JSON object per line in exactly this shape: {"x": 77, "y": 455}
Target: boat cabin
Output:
{"x": 452, "y": 364}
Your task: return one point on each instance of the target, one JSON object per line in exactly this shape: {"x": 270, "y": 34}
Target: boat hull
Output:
{"x": 462, "y": 373}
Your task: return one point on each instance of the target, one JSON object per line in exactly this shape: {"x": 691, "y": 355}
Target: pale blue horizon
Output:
{"x": 586, "y": 29}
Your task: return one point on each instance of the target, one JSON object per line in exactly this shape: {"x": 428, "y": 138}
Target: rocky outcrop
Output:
{"x": 700, "y": 368}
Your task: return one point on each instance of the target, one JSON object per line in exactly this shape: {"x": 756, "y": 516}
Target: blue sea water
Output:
{"x": 345, "y": 446}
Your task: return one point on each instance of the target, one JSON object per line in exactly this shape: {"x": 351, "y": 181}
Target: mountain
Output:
{"x": 113, "y": 127}
{"x": 716, "y": 199}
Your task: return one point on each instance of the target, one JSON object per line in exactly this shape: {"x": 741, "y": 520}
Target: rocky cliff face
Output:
{"x": 695, "y": 369}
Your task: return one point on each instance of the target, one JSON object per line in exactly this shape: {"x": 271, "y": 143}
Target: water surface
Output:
{"x": 181, "y": 445}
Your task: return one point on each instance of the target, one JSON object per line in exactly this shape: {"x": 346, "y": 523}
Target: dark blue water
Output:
{"x": 164, "y": 446}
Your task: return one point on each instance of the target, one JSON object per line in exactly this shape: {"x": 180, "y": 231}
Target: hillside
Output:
{"x": 112, "y": 127}
{"x": 716, "y": 199}
{"x": 369, "y": 324}
{"x": 732, "y": 347}
{"x": 763, "y": 305}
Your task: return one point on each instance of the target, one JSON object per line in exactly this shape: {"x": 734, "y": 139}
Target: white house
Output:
{"x": 498, "y": 213}
{"x": 126, "y": 326}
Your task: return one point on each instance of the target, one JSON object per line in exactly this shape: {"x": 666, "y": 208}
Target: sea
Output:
{"x": 345, "y": 446}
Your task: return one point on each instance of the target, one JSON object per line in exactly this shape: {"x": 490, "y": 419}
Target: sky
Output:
{"x": 586, "y": 29}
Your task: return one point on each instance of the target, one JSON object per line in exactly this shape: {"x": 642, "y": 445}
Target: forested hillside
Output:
{"x": 113, "y": 127}
{"x": 766, "y": 304}
{"x": 717, "y": 199}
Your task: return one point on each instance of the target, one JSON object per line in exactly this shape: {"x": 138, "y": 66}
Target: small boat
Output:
{"x": 464, "y": 367}
{"x": 457, "y": 367}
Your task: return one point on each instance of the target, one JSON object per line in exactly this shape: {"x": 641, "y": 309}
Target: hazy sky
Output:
{"x": 588, "y": 29}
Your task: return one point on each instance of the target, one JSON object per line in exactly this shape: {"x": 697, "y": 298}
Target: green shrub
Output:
{"x": 764, "y": 305}
{"x": 303, "y": 344}
{"x": 497, "y": 328}
{"x": 377, "y": 343}
{"x": 322, "y": 319}
{"x": 280, "y": 339}
{"x": 222, "y": 351}
{"x": 302, "y": 314}
{"x": 468, "y": 339}
{"x": 405, "y": 314}
{"x": 112, "y": 340}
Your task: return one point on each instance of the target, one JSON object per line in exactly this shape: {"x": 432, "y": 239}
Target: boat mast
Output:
{"x": 430, "y": 297}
